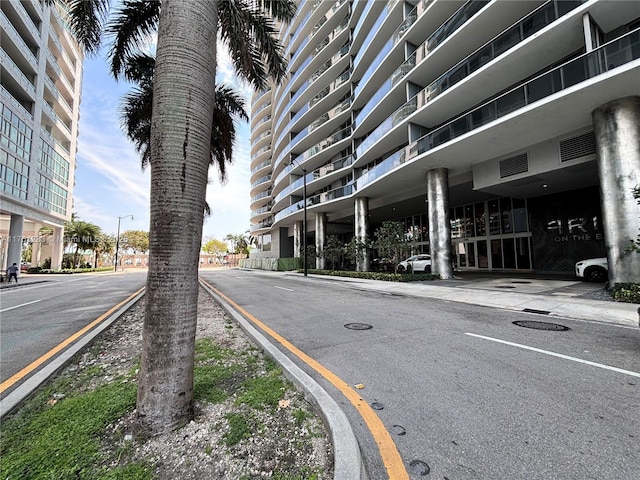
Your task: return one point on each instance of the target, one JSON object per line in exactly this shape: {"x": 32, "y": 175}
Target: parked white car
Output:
{"x": 593, "y": 269}
{"x": 415, "y": 263}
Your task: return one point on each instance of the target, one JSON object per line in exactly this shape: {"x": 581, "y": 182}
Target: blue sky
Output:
{"x": 109, "y": 180}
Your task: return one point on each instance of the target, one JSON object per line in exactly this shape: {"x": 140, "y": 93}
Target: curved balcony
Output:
{"x": 256, "y": 139}
{"x": 260, "y": 198}
{"x": 385, "y": 17}
{"x": 614, "y": 54}
{"x": 329, "y": 170}
{"x": 261, "y": 166}
{"x": 260, "y": 152}
{"x": 261, "y": 213}
{"x": 261, "y": 182}
{"x": 285, "y": 148}
{"x": 257, "y": 122}
{"x": 263, "y": 225}
{"x": 340, "y": 81}
{"x": 257, "y": 96}
{"x": 324, "y": 21}
{"x": 316, "y": 199}
{"x": 324, "y": 144}
{"x": 517, "y": 33}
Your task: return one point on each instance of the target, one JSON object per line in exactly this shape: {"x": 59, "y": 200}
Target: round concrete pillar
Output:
{"x": 617, "y": 131}
{"x": 321, "y": 237}
{"x": 297, "y": 239}
{"x": 14, "y": 245}
{"x": 439, "y": 226}
{"x": 361, "y": 231}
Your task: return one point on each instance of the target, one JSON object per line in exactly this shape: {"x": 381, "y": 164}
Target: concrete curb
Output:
{"x": 11, "y": 401}
{"x": 348, "y": 462}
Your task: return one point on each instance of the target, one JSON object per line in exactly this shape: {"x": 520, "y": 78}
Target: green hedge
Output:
{"x": 626, "y": 292}
{"x": 387, "y": 277}
{"x": 68, "y": 270}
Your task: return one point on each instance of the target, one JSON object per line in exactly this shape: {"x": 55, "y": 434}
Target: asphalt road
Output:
{"x": 37, "y": 317}
{"x": 463, "y": 391}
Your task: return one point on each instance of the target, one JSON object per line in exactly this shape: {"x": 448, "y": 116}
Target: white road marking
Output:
{"x": 282, "y": 288}
{"x": 559, "y": 355}
{"x": 18, "y": 306}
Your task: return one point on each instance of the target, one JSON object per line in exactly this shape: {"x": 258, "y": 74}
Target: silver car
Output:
{"x": 415, "y": 263}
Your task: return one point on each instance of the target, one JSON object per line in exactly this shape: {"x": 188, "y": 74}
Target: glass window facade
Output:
{"x": 53, "y": 163}
{"x": 14, "y": 176}
{"x": 15, "y": 135}
{"x": 51, "y": 196}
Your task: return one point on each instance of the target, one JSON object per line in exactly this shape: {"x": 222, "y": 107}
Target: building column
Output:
{"x": 439, "y": 225}
{"x": 297, "y": 239}
{"x": 361, "y": 228}
{"x": 57, "y": 248}
{"x": 14, "y": 245}
{"x": 617, "y": 131}
{"x": 321, "y": 238}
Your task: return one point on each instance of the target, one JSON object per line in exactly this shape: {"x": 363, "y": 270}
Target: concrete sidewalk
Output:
{"x": 553, "y": 297}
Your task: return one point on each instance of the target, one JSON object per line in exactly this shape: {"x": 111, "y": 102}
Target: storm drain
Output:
{"x": 358, "y": 326}
{"x": 524, "y": 282}
{"x": 504, "y": 286}
{"x": 554, "y": 327}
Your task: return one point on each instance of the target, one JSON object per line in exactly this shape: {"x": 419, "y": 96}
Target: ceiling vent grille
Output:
{"x": 514, "y": 165}
{"x": 577, "y": 147}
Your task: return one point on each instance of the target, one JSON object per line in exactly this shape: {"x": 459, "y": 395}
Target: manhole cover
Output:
{"x": 358, "y": 326}
{"x": 541, "y": 325}
{"x": 419, "y": 467}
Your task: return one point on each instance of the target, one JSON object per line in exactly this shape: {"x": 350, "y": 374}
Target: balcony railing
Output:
{"x": 25, "y": 82}
{"x": 608, "y": 57}
{"x": 261, "y": 180}
{"x": 266, "y": 163}
{"x": 260, "y": 196}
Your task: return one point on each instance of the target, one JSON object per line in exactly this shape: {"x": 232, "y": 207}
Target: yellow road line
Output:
{"x": 36, "y": 363}
{"x": 388, "y": 451}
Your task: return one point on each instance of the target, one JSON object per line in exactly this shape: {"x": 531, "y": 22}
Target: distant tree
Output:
{"x": 240, "y": 243}
{"x": 105, "y": 245}
{"x": 333, "y": 250}
{"x": 391, "y": 241}
{"x": 136, "y": 240}
{"x": 82, "y": 234}
{"x": 215, "y": 247}
{"x": 357, "y": 250}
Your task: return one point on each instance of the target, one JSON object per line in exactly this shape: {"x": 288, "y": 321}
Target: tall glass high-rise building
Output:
{"x": 503, "y": 135}
{"x": 41, "y": 76}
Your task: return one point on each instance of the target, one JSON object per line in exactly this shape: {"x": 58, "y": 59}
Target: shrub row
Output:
{"x": 387, "y": 277}
{"x": 68, "y": 270}
{"x": 626, "y": 292}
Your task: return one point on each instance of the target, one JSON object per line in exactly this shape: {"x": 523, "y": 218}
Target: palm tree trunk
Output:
{"x": 183, "y": 102}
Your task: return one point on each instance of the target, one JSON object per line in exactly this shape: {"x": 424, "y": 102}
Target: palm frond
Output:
{"x": 130, "y": 26}
{"x": 85, "y": 19}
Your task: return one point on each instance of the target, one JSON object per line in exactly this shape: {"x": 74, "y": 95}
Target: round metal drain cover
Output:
{"x": 358, "y": 326}
{"x": 419, "y": 467}
{"x": 541, "y": 325}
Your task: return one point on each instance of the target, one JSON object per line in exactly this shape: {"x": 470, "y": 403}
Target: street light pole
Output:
{"x": 304, "y": 220}
{"x": 115, "y": 268}
{"x": 304, "y": 217}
